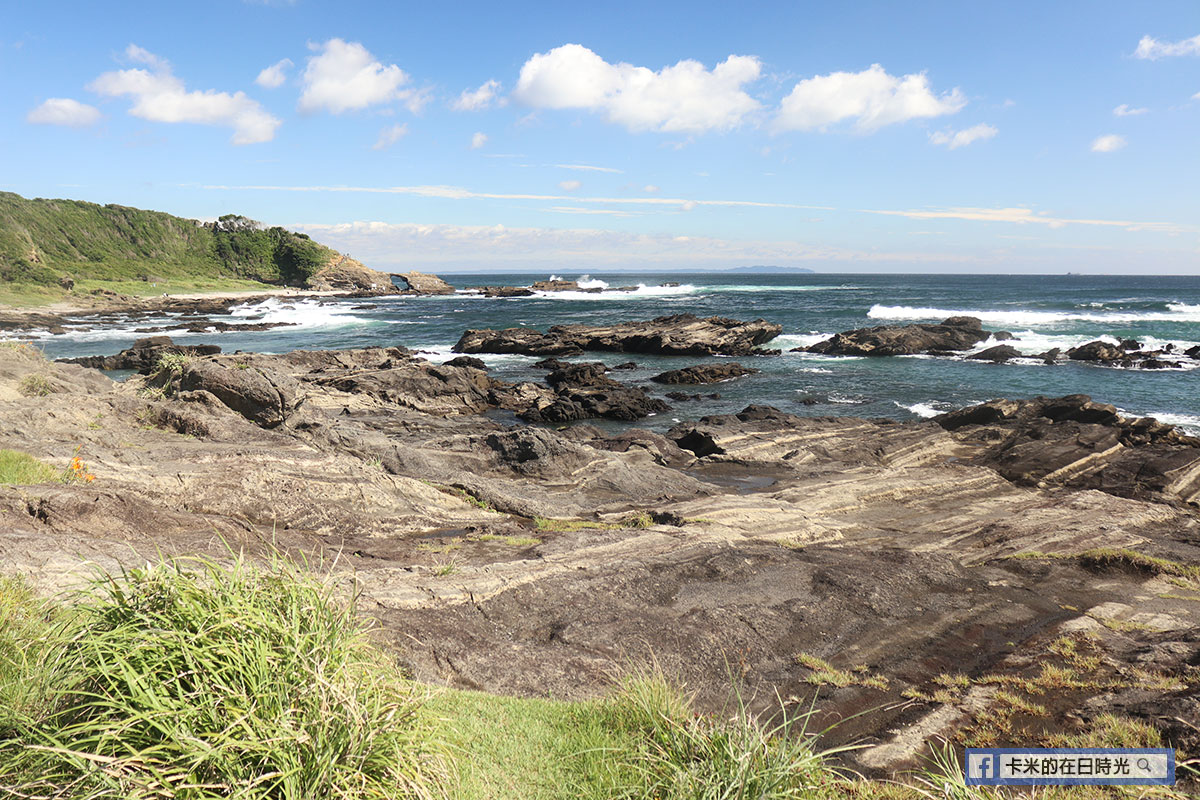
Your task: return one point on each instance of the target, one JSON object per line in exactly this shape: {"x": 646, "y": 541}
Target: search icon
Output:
{"x": 1143, "y": 764}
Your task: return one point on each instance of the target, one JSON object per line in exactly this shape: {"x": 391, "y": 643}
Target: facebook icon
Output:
{"x": 982, "y": 766}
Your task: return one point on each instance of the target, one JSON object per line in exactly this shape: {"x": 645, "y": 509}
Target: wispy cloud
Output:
{"x": 957, "y": 139}
{"x": 615, "y": 212}
{"x": 460, "y": 193}
{"x": 478, "y": 140}
{"x": 408, "y": 245}
{"x": 1024, "y": 216}
{"x": 1124, "y": 110}
{"x": 389, "y": 136}
{"x": 589, "y": 168}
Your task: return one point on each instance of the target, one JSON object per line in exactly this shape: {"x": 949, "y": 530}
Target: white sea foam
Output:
{"x": 298, "y": 313}
{"x": 1177, "y": 312}
{"x": 1190, "y": 423}
{"x": 816, "y": 370}
{"x": 926, "y": 410}
{"x": 588, "y": 282}
{"x": 842, "y": 399}
{"x": 759, "y": 288}
{"x": 790, "y": 340}
{"x": 440, "y": 354}
{"x": 641, "y": 291}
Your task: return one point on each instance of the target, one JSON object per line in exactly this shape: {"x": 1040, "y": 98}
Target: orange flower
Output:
{"x": 90, "y": 478}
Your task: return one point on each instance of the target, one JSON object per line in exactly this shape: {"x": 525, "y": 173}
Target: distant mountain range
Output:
{"x": 769, "y": 269}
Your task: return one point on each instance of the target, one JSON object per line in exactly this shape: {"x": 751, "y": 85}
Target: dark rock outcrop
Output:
{"x": 144, "y": 355}
{"x": 504, "y": 291}
{"x": 704, "y": 373}
{"x": 681, "y": 334}
{"x": 467, "y": 361}
{"x": 555, "y": 286}
{"x": 998, "y": 354}
{"x": 583, "y": 391}
{"x": 952, "y": 335}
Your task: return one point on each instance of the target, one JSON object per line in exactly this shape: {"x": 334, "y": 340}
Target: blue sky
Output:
{"x": 870, "y": 136}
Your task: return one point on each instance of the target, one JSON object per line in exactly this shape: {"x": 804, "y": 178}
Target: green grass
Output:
{"x": 192, "y": 680}
{"x": 23, "y": 469}
{"x": 528, "y": 748}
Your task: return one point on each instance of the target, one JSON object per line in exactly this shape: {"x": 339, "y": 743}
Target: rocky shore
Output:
{"x": 928, "y": 573}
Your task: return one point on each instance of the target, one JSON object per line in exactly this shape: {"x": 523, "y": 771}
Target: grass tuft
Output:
{"x": 678, "y": 754}
{"x": 193, "y": 680}
{"x": 36, "y": 384}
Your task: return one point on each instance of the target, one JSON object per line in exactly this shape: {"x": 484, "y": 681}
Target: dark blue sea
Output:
{"x": 1041, "y": 311}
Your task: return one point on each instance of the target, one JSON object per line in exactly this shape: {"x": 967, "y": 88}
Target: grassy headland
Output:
{"x": 48, "y": 245}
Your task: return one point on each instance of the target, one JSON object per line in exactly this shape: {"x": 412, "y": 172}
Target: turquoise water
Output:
{"x": 1042, "y": 311}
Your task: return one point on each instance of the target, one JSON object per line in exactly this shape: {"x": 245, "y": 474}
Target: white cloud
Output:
{"x": 1108, "y": 144}
{"x": 873, "y": 98}
{"x": 1151, "y": 48}
{"x": 650, "y": 188}
{"x": 569, "y": 186}
{"x": 956, "y": 139}
{"x": 389, "y": 136}
{"x": 64, "y": 111}
{"x": 273, "y": 76}
{"x": 685, "y": 97}
{"x": 1029, "y": 216}
{"x": 1124, "y": 110}
{"x": 478, "y": 99}
{"x": 344, "y": 76}
{"x": 478, "y": 140}
{"x": 159, "y": 96}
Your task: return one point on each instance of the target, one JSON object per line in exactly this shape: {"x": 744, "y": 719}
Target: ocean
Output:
{"x": 1042, "y": 311}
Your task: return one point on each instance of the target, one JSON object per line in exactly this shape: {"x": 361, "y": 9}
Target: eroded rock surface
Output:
{"x": 736, "y": 543}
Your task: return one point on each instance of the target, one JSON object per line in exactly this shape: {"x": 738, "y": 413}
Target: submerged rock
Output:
{"x": 704, "y": 373}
